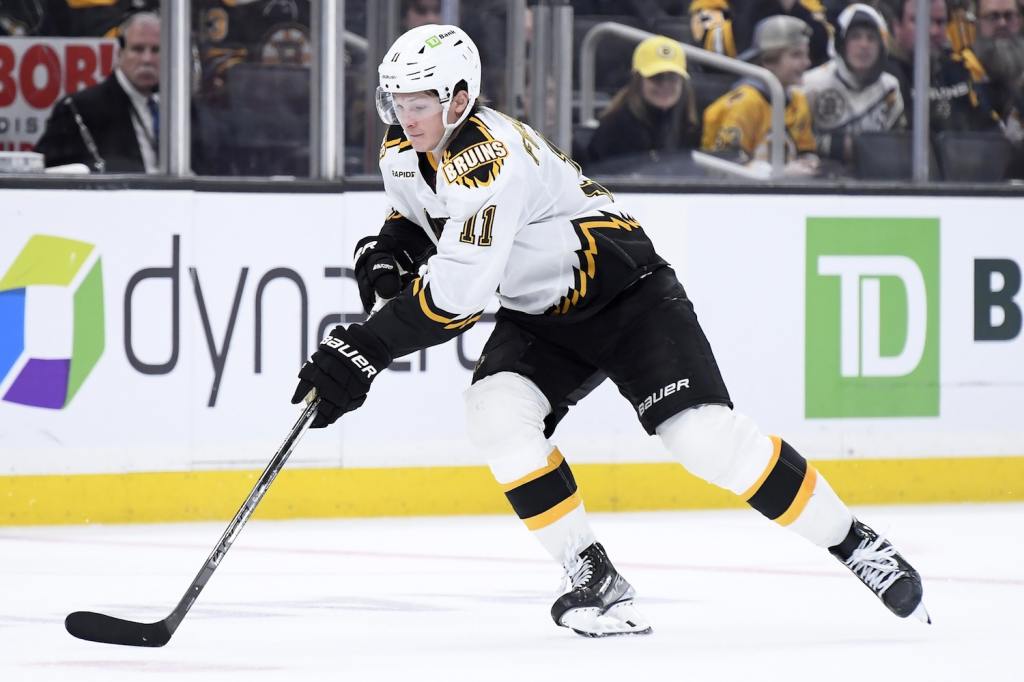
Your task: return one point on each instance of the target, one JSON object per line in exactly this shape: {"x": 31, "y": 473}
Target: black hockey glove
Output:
{"x": 379, "y": 269}
{"x": 341, "y": 370}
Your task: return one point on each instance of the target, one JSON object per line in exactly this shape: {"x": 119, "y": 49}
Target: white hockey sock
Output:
{"x": 547, "y": 502}
{"x": 791, "y": 492}
{"x": 567, "y": 537}
{"x": 726, "y": 448}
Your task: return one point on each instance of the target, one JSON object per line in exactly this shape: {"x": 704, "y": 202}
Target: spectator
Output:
{"x": 655, "y": 112}
{"x": 959, "y": 94}
{"x": 738, "y": 124}
{"x": 1000, "y": 47}
{"x": 230, "y": 33}
{"x": 420, "y": 12}
{"x": 749, "y": 13}
{"x": 72, "y": 18}
{"x": 114, "y": 125}
{"x": 487, "y": 26}
{"x": 22, "y": 19}
{"x": 851, "y": 93}
{"x": 711, "y": 26}
{"x": 252, "y": 105}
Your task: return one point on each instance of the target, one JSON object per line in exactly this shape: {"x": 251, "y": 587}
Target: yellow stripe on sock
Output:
{"x": 554, "y": 461}
{"x": 776, "y": 449}
{"x": 555, "y": 513}
{"x": 803, "y": 496}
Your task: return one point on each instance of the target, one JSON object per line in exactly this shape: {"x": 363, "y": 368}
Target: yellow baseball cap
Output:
{"x": 659, "y": 54}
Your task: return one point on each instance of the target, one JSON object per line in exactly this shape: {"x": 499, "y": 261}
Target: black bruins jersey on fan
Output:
{"x": 509, "y": 214}
{"x": 91, "y": 17}
{"x": 233, "y": 32}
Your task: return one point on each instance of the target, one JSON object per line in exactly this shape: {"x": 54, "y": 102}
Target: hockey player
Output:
{"x": 852, "y": 94}
{"x": 486, "y": 204}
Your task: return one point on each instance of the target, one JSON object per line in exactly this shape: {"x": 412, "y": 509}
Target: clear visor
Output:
{"x": 405, "y": 108}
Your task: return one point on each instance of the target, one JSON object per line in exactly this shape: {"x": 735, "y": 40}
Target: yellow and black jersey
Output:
{"x": 720, "y": 25}
{"x": 711, "y": 26}
{"x": 741, "y": 120}
{"x": 95, "y": 18}
{"x": 233, "y": 32}
{"x": 510, "y": 216}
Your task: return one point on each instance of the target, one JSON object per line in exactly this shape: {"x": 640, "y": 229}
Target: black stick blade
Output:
{"x": 97, "y": 627}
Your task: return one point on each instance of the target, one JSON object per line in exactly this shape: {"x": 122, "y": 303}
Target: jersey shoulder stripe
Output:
{"x": 394, "y": 138}
{"x": 475, "y": 157}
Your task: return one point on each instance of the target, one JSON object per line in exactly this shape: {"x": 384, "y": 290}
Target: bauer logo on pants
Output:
{"x": 872, "y": 317}
{"x": 51, "y": 321}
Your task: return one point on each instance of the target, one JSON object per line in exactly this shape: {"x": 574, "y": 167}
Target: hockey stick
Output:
{"x": 97, "y": 627}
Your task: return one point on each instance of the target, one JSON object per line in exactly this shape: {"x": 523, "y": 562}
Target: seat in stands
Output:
{"x": 972, "y": 156}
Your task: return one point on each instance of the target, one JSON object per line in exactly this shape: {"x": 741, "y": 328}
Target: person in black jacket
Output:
{"x": 960, "y": 92}
{"x": 113, "y": 126}
{"x": 72, "y": 18}
{"x": 655, "y": 112}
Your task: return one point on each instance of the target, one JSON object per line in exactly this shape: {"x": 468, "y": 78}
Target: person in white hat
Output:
{"x": 655, "y": 112}
{"x": 482, "y": 205}
{"x": 738, "y": 124}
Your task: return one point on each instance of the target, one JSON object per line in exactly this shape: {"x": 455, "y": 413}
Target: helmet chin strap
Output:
{"x": 450, "y": 128}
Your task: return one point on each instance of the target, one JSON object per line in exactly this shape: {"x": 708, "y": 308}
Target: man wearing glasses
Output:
{"x": 960, "y": 97}
{"x": 1000, "y": 47}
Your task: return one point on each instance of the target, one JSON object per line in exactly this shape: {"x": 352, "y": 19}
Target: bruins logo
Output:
{"x": 474, "y": 158}
{"x": 287, "y": 44}
{"x": 477, "y": 165}
{"x": 830, "y": 108}
{"x": 728, "y": 138}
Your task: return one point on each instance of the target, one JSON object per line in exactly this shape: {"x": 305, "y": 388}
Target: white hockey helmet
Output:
{"x": 431, "y": 57}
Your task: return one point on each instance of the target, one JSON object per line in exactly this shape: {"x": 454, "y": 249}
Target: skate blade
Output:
{"x": 621, "y": 618}
{"x": 921, "y": 613}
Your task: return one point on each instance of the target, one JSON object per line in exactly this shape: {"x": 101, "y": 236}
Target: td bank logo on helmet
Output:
{"x": 435, "y": 41}
{"x": 872, "y": 317}
{"x": 51, "y": 321}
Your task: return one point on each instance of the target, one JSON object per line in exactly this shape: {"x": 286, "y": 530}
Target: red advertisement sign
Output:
{"x": 35, "y": 73}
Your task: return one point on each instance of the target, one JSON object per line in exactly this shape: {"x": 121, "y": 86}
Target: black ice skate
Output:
{"x": 599, "y": 601}
{"x": 879, "y": 566}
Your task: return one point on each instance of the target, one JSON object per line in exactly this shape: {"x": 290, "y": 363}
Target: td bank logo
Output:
{"x": 51, "y": 321}
{"x": 872, "y": 325}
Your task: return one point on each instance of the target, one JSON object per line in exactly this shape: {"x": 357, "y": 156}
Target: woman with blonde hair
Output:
{"x": 655, "y": 112}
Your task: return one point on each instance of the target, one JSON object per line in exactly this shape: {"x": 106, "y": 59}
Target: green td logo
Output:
{"x": 872, "y": 323}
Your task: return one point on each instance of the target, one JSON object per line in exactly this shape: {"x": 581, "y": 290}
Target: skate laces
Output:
{"x": 581, "y": 573}
{"x": 579, "y": 569}
{"x": 874, "y": 562}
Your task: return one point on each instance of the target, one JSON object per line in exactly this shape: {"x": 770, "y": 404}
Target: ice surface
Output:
{"x": 730, "y": 595}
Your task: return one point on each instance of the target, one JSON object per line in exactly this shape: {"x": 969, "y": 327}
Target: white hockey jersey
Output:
{"x": 510, "y": 214}
{"x": 840, "y": 107}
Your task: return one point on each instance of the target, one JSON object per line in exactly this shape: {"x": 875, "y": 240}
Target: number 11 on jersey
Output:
{"x": 468, "y": 235}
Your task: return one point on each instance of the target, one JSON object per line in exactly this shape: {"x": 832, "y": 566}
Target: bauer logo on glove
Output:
{"x": 353, "y": 354}
{"x": 341, "y": 370}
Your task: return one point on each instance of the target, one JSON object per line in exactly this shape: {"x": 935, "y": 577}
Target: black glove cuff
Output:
{"x": 384, "y": 242}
